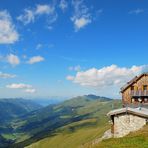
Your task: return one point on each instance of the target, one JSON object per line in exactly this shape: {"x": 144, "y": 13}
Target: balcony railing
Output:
{"x": 139, "y": 93}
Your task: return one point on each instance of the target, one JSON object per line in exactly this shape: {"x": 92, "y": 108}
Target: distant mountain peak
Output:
{"x": 94, "y": 97}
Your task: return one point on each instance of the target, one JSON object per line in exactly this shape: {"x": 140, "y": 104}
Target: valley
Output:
{"x": 83, "y": 115}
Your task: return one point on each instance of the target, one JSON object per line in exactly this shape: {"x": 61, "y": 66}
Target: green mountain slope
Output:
{"x": 73, "y": 135}
{"x": 12, "y": 108}
{"x": 84, "y": 136}
{"x": 78, "y": 114}
{"x": 137, "y": 139}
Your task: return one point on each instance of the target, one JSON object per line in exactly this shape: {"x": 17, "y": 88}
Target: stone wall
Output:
{"x": 126, "y": 123}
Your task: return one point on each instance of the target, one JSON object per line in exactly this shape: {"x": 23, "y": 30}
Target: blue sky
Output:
{"x": 67, "y": 48}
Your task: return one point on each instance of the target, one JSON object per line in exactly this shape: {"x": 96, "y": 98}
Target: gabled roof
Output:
{"x": 135, "y": 79}
{"x": 143, "y": 112}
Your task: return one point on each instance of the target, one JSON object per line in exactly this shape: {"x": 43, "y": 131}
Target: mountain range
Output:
{"x": 29, "y": 122}
{"x": 13, "y": 108}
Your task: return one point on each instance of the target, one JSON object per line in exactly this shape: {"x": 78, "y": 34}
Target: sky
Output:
{"x": 66, "y": 48}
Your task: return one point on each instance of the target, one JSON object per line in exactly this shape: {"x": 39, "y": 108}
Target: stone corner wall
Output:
{"x": 126, "y": 123}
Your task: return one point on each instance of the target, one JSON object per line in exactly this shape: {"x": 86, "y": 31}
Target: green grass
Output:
{"x": 9, "y": 136}
{"x": 16, "y": 136}
{"x": 137, "y": 139}
{"x": 84, "y": 131}
{"x": 81, "y": 137}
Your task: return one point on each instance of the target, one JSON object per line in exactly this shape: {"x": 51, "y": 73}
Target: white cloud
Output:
{"x": 75, "y": 68}
{"x": 8, "y": 33}
{"x": 111, "y": 76}
{"x": 27, "y": 17}
{"x": 6, "y": 75}
{"x": 30, "y": 15}
{"x": 63, "y": 5}
{"x": 44, "y": 9}
{"x": 136, "y": 11}
{"x": 19, "y": 86}
{"x": 25, "y": 87}
{"x": 81, "y": 16}
{"x": 30, "y": 90}
{"x": 35, "y": 59}
{"x": 13, "y": 59}
{"x": 81, "y": 22}
{"x": 71, "y": 78}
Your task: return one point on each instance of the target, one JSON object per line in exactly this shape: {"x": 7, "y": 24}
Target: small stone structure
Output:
{"x": 126, "y": 120}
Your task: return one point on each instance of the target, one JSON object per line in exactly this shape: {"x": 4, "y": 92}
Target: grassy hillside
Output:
{"x": 12, "y": 108}
{"x": 73, "y": 135}
{"x": 55, "y": 116}
{"x": 80, "y": 137}
{"x": 82, "y": 116}
{"x": 137, "y": 139}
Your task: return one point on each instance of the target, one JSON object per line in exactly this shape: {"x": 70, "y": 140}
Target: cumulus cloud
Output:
{"x": 136, "y": 11}
{"x": 25, "y": 87}
{"x": 6, "y": 75}
{"x": 109, "y": 76}
{"x": 30, "y": 15}
{"x": 35, "y": 59}
{"x": 63, "y": 5}
{"x": 13, "y": 59}
{"x": 81, "y": 16}
{"x": 8, "y": 33}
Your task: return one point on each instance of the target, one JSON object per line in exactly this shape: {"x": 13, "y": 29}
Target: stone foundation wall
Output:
{"x": 126, "y": 123}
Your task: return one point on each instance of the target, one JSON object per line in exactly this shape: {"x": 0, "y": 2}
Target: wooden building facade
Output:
{"x": 136, "y": 90}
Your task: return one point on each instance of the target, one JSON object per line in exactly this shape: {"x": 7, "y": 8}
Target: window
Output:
{"x": 144, "y": 87}
{"x": 132, "y": 88}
